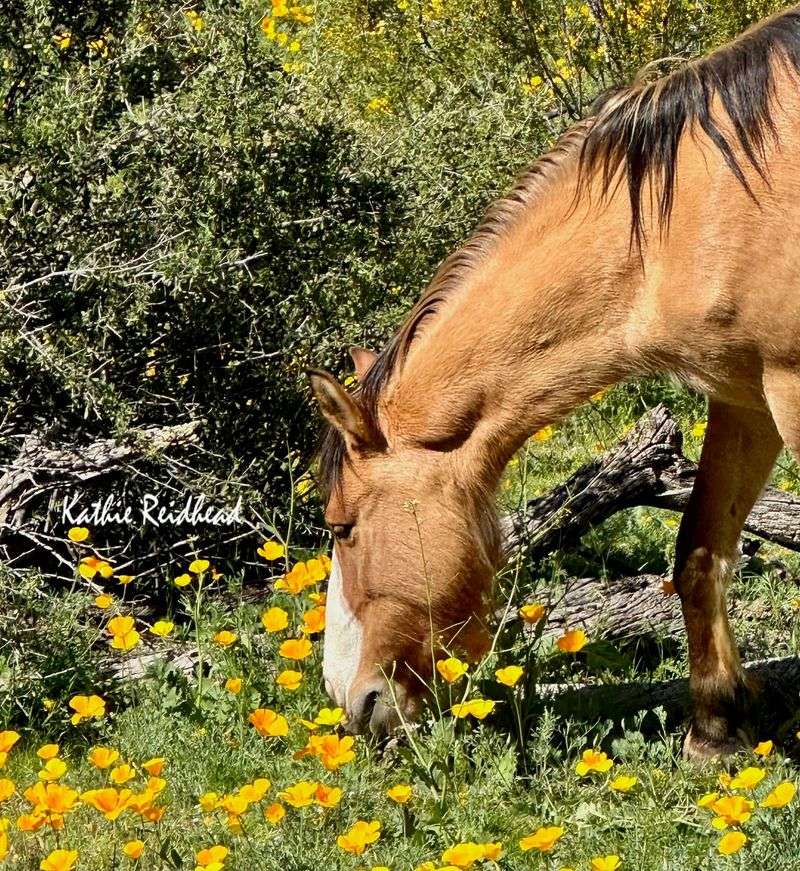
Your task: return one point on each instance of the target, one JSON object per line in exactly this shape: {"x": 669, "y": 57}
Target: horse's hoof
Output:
{"x": 702, "y": 749}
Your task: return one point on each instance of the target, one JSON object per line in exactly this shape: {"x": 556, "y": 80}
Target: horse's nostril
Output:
{"x": 362, "y": 711}
{"x": 369, "y": 704}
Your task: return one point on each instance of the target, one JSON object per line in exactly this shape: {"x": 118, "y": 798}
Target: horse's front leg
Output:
{"x": 739, "y": 451}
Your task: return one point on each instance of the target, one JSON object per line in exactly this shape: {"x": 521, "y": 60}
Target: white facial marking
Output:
{"x": 342, "y": 650}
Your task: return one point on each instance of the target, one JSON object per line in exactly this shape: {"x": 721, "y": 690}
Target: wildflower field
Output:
{"x": 199, "y": 201}
{"x": 225, "y": 752}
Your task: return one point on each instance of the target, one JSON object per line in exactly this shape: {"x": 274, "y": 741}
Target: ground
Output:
{"x": 489, "y": 781}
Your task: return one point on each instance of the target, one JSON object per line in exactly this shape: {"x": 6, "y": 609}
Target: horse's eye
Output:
{"x": 342, "y": 531}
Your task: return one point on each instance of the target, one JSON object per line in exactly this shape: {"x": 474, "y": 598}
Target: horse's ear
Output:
{"x": 363, "y": 359}
{"x": 339, "y": 408}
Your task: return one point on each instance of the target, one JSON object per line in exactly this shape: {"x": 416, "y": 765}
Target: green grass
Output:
{"x": 496, "y": 780}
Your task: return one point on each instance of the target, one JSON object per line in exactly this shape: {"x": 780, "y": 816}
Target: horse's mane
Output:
{"x": 639, "y": 129}
{"x": 633, "y": 132}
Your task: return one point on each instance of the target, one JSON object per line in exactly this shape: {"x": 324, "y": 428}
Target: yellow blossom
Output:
{"x": 103, "y": 757}
{"x": 731, "y": 843}
{"x": 748, "y": 778}
{"x": 731, "y": 810}
{"x": 623, "y": 783}
{"x": 329, "y": 717}
{"x": 509, "y": 675}
{"x": 209, "y": 801}
{"x": 53, "y": 769}
{"x": 271, "y": 550}
{"x": 593, "y": 760}
{"x": 122, "y": 774}
{"x": 359, "y": 836}
{"x": 332, "y": 751}
{"x": 314, "y": 621}
{"x": 401, "y": 793}
{"x": 90, "y": 566}
{"x": 451, "y": 669}
{"x": 123, "y": 634}
{"x": 47, "y": 751}
{"x": 256, "y": 790}
{"x": 300, "y": 794}
{"x": 154, "y": 766}
{"x": 708, "y": 799}
{"x": 296, "y": 580}
{"x": 295, "y": 648}
{"x": 378, "y": 104}
{"x": 533, "y": 612}
{"x": 274, "y": 813}
{"x": 225, "y": 638}
{"x": 7, "y": 740}
{"x": 572, "y": 641}
{"x": 110, "y": 802}
{"x": 86, "y": 707}
{"x": 780, "y": 796}
{"x": 211, "y": 856}
{"x": 63, "y": 40}
{"x": 234, "y": 685}
{"x": 59, "y": 860}
{"x": 195, "y": 19}
{"x": 606, "y": 863}
{"x": 543, "y": 839}
{"x": 78, "y": 534}
{"x": 52, "y": 798}
{"x": 763, "y": 748}
{"x": 275, "y": 619}
{"x": 463, "y": 855}
{"x": 198, "y": 566}
{"x": 162, "y": 628}
{"x": 289, "y": 680}
{"x": 268, "y": 723}
{"x": 182, "y": 580}
{"x": 478, "y": 708}
{"x": 492, "y": 851}
{"x": 327, "y": 796}
{"x": 133, "y": 849}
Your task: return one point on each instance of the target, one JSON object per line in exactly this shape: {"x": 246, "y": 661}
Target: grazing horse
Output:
{"x": 660, "y": 235}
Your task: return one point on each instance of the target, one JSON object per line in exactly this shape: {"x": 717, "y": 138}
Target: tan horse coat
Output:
{"x": 659, "y": 236}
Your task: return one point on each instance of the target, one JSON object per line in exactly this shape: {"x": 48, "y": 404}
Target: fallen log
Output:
{"x": 647, "y": 468}
{"x": 40, "y": 470}
{"x": 616, "y": 609}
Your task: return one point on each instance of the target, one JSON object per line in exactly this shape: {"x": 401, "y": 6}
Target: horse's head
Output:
{"x": 416, "y": 545}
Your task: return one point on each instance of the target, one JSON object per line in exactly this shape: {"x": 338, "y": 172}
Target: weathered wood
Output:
{"x": 617, "y": 609}
{"x": 646, "y": 468}
{"x": 41, "y": 468}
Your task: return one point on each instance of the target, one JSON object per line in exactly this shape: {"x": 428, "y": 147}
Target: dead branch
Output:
{"x": 646, "y": 468}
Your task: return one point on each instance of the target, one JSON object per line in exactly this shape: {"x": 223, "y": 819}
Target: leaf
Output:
{"x": 604, "y": 656}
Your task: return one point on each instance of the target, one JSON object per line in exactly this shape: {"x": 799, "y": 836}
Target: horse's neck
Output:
{"x": 536, "y": 328}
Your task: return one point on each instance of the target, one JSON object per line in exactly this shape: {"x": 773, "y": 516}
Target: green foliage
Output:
{"x": 47, "y": 654}
{"x": 200, "y": 203}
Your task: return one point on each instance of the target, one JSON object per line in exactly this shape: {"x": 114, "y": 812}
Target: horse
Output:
{"x": 659, "y": 235}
